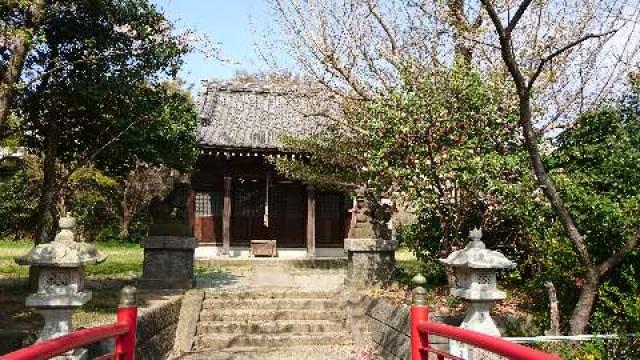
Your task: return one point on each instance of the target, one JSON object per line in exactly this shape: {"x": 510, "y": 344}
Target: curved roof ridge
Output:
{"x": 255, "y": 114}
{"x": 261, "y": 86}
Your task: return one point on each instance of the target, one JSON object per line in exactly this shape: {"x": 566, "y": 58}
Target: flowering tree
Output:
{"x": 562, "y": 57}
{"x": 601, "y": 23}
{"x": 446, "y": 145}
{"x": 361, "y": 49}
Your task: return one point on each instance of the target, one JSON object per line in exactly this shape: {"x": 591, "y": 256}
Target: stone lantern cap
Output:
{"x": 476, "y": 256}
{"x": 64, "y": 251}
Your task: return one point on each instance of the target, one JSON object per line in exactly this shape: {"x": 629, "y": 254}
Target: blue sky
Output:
{"x": 228, "y": 22}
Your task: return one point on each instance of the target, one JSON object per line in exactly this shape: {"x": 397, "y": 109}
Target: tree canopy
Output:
{"x": 97, "y": 92}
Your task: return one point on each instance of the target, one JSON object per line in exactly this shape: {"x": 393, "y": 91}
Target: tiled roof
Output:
{"x": 255, "y": 115}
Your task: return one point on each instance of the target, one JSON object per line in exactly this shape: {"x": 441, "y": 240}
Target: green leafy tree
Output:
{"x": 97, "y": 94}
{"x": 20, "y": 181}
{"x": 597, "y": 169}
{"x": 92, "y": 196}
{"x": 19, "y": 25}
{"x": 444, "y": 144}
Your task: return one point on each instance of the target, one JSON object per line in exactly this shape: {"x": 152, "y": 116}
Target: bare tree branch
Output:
{"x": 518, "y": 15}
{"x": 544, "y": 61}
{"x": 506, "y": 48}
{"x": 93, "y": 156}
{"x": 384, "y": 26}
{"x": 615, "y": 259}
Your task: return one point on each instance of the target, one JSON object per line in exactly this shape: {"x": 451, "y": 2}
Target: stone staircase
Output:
{"x": 271, "y": 324}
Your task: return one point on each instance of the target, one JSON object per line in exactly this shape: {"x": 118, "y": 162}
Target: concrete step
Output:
{"x": 271, "y": 303}
{"x": 230, "y": 341}
{"x": 289, "y": 353}
{"x": 269, "y": 315}
{"x": 270, "y": 327}
{"x": 238, "y": 295}
{"x": 312, "y": 263}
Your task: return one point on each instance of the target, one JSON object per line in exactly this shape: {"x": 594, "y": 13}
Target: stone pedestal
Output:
{"x": 168, "y": 262}
{"x": 371, "y": 262}
{"x": 369, "y": 246}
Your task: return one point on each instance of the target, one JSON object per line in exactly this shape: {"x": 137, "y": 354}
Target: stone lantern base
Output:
{"x": 372, "y": 262}
{"x": 58, "y": 323}
{"x": 168, "y": 262}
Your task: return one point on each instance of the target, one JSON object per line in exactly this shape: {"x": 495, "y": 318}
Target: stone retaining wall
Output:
{"x": 384, "y": 325}
{"x": 157, "y": 326}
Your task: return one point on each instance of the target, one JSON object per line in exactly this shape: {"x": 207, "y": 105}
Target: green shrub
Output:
{"x": 597, "y": 349}
{"x": 18, "y": 197}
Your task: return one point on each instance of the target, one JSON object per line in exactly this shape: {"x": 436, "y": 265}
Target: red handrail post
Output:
{"x": 417, "y": 314}
{"x": 127, "y": 314}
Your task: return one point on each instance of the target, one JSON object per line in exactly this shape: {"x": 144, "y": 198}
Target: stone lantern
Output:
{"x": 475, "y": 269}
{"x": 61, "y": 279}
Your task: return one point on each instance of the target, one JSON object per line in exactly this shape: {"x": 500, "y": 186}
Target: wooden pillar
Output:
{"x": 311, "y": 221}
{"x": 191, "y": 211}
{"x": 226, "y": 216}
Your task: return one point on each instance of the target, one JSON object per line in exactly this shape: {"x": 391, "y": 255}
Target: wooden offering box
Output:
{"x": 264, "y": 248}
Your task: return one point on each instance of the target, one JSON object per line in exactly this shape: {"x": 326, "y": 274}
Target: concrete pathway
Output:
{"x": 262, "y": 274}
{"x": 295, "y": 353}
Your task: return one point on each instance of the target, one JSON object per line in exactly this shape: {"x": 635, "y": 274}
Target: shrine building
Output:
{"x": 239, "y": 196}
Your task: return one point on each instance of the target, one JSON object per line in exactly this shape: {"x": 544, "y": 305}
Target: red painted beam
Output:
{"x": 60, "y": 345}
{"x": 492, "y": 344}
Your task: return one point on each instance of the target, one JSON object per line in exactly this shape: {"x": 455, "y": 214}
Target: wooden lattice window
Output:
{"x": 203, "y": 204}
{"x": 295, "y": 204}
{"x": 247, "y": 203}
{"x": 287, "y": 203}
{"x": 329, "y": 206}
{"x": 209, "y": 204}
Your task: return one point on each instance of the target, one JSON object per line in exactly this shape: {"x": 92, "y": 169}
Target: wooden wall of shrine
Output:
{"x": 242, "y": 198}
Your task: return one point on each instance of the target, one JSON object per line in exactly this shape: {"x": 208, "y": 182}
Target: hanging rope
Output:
{"x": 266, "y": 202}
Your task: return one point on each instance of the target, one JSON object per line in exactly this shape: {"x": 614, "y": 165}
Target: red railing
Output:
{"x": 421, "y": 328}
{"x": 123, "y": 330}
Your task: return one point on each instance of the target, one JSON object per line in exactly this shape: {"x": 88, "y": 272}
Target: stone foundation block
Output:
{"x": 168, "y": 262}
{"x": 371, "y": 262}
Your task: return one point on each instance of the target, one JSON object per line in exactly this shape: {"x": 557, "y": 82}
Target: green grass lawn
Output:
{"x": 124, "y": 262}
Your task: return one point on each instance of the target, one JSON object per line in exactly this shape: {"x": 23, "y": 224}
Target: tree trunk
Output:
{"x": 15, "y": 64}
{"x": 126, "y": 220}
{"x": 582, "y": 311}
{"x": 10, "y": 77}
{"x": 459, "y": 20}
{"x": 589, "y": 291}
{"x": 554, "y": 313}
{"x": 47, "y": 206}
